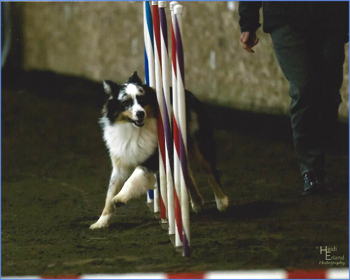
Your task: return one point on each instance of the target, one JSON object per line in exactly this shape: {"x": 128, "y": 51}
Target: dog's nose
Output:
{"x": 140, "y": 114}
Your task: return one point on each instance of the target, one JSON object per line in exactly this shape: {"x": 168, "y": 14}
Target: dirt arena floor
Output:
{"x": 55, "y": 172}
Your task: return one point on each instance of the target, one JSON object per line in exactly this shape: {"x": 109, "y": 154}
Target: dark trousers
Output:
{"x": 313, "y": 64}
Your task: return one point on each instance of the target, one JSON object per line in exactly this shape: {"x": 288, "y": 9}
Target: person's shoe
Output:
{"x": 313, "y": 184}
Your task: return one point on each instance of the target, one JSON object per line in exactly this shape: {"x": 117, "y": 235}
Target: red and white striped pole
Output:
{"x": 159, "y": 90}
{"x": 167, "y": 118}
{"x": 329, "y": 273}
{"x": 177, "y": 164}
{"x": 181, "y": 121}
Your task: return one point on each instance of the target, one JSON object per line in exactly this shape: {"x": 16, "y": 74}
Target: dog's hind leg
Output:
{"x": 209, "y": 167}
{"x": 116, "y": 182}
{"x": 195, "y": 196}
{"x": 141, "y": 180}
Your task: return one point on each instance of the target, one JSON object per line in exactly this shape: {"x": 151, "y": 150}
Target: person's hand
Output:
{"x": 249, "y": 40}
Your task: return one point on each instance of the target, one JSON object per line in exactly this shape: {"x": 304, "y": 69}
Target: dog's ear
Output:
{"x": 151, "y": 94}
{"x": 110, "y": 87}
{"x": 135, "y": 79}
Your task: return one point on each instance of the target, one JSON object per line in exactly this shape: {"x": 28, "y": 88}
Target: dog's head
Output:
{"x": 131, "y": 102}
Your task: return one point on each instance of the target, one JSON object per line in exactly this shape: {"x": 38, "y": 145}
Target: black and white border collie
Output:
{"x": 130, "y": 130}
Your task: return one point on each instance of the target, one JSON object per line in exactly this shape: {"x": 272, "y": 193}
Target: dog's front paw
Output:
{"x": 222, "y": 203}
{"x": 102, "y": 222}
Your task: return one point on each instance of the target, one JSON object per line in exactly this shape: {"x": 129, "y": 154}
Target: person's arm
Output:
{"x": 249, "y": 23}
{"x": 249, "y": 15}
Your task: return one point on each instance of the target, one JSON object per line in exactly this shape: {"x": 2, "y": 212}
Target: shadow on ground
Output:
{"x": 55, "y": 172}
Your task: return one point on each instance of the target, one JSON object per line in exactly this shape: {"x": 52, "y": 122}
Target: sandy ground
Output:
{"x": 55, "y": 172}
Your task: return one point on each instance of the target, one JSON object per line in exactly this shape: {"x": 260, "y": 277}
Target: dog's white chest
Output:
{"x": 131, "y": 145}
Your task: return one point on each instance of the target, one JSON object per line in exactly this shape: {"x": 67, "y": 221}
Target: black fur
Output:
{"x": 118, "y": 103}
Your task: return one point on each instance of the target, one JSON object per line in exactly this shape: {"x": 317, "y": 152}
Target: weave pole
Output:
{"x": 160, "y": 124}
{"x": 177, "y": 164}
{"x": 171, "y": 197}
{"x": 149, "y": 62}
{"x": 181, "y": 121}
{"x": 167, "y": 118}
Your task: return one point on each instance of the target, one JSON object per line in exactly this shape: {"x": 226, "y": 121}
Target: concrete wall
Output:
{"x": 104, "y": 40}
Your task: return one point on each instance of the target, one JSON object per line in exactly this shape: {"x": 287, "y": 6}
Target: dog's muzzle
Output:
{"x": 140, "y": 122}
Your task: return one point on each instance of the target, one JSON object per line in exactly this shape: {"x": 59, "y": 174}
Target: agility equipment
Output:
{"x": 177, "y": 164}
{"x": 329, "y": 273}
{"x": 182, "y": 128}
{"x": 162, "y": 201}
{"x": 149, "y": 61}
{"x": 170, "y": 215}
{"x": 173, "y": 199}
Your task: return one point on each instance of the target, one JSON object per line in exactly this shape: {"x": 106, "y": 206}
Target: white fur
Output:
{"x": 130, "y": 145}
{"x": 137, "y": 185}
{"x": 107, "y": 88}
{"x": 133, "y": 90}
{"x": 102, "y": 222}
{"x": 137, "y": 108}
{"x": 221, "y": 203}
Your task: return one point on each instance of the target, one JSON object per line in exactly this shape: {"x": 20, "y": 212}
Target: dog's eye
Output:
{"x": 127, "y": 103}
{"x": 141, "y": 100}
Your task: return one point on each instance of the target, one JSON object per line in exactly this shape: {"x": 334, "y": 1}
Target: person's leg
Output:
{"x": 330, "y": 58}
{"x": 295, "y": 56}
